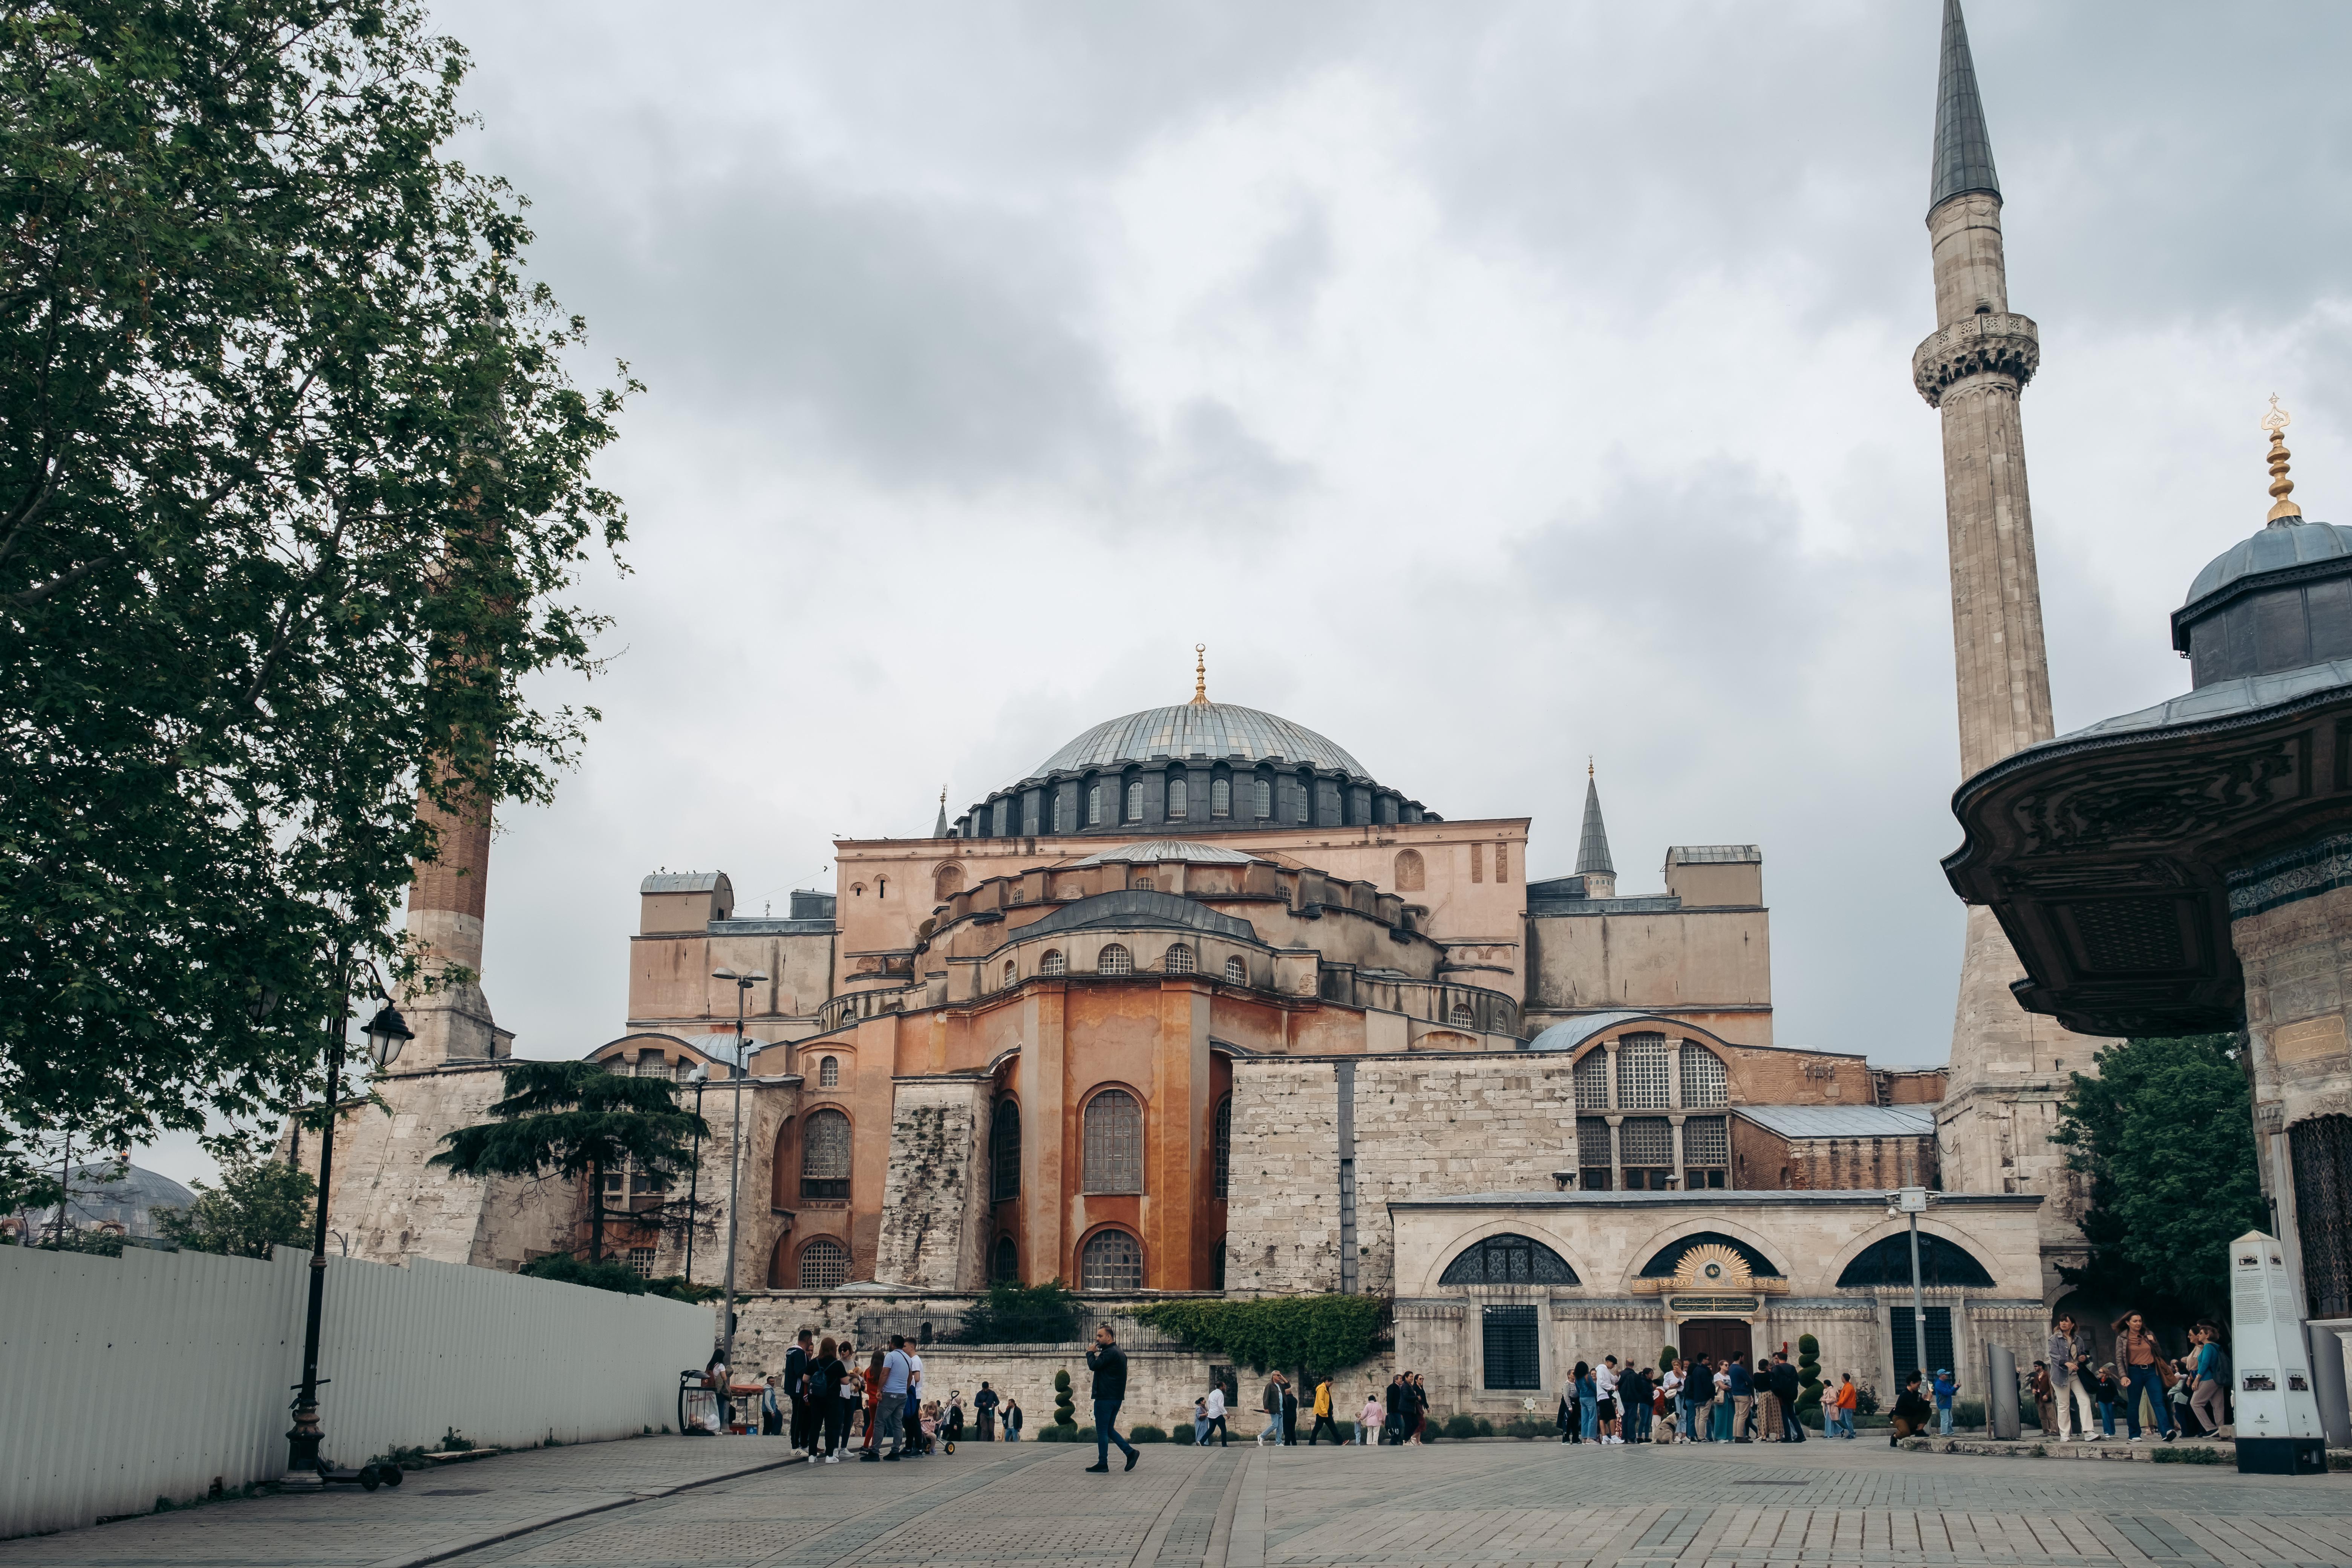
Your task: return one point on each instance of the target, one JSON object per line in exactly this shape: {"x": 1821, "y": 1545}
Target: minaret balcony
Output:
{"x": 1995, "y": 344}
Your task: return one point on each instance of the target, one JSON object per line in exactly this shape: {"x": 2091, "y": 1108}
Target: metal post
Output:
{"x": 734, "y": 1181}
{"x": 1919, "y": 1301}
{"x": 694, "y": 1179}
{"x": 302, "y": 1442}
{"x": 65, "y": 1188}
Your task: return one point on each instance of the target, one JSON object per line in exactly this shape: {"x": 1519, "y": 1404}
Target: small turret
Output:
{"x": 1592, "y": 862}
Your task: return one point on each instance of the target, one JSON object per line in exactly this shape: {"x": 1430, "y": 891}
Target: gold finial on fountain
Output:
{"x": 2276, "y": 422}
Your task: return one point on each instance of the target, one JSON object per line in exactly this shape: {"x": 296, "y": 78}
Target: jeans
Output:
{"x": 1273, "y": 1428}
{"x": 1638, "y": 1429}
{"x": 1013, "y": 1434}
{"x": 2107, "y": 1419}
{"x": 833, "y": 1413}
{"x": 1217, "y": 1425}
{"x": 1588, "y": 1409}
{"x": 1944, "y": 1420}
{"x": 2145, "y": 1379}
{"x": 1106, "y": 1413}
{"x": 887, "y": 1418}
{"x": 1842, "y": 1421}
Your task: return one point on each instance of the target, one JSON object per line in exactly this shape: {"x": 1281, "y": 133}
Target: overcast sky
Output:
{"x": 1488, "y": 385}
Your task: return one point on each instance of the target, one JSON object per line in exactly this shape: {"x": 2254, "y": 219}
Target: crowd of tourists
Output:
{"x": 831, "y": 1405}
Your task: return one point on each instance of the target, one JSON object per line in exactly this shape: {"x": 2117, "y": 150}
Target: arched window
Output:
{"x": 1053, "y": 812}
{"x": 1221, "y": 797}
{"x": 1412, "y": 874}
{"x": 1507, "y": 1260}
{"x": 1663, "y": 1263}
{"x": 1217, "y": 1266}
{"x": 1592, "y": 1080}
{"x": 1112, "y": 1261}
{"x": 1305, "y": 799}
{"x": 1264, "y": 801}
{"x": 828, "y": 1073}
{"x": 1887, "y": 1261}
{"x": 1178, "y": 960}
{"x": 1702, "y": 1076}
{"x": 1053, "y": 963}
{"x": 1176, "y": 799}
{"x": 1224, "y": 1139}
{"x": 1237, "y": 972}
{"x": 946, "y": 882}
{"x": 1005, "y": 1265}
{"x": 1010, "y": 973}
{"x": 1642, "y": 1073}
{"x": 881, "y": 887}
{"x": 1141, "y": 882}
{"x": 1004, "y": 1151}
{"x": 1114, "y": 1143}
{"x": 1115, "y": 959}
{"x": 824, "y": 1155}
{"x": 1094, "y": 806}
{"x": 1135, "y": 800}
{"x": 1462, "y": 1016}
{"x": 824, "y": 1265}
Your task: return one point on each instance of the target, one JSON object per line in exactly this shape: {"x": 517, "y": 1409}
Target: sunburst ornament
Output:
{"x": 1711, "y": 1266}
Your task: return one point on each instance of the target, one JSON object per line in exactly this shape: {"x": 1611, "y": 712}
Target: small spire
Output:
{"x": 2275, "y": 422}
{"x": 1963, "y": 158}
{"x": 941, "y": 830}
{"x": 1593, "y": 845}
{"x": 1200, "y": 675}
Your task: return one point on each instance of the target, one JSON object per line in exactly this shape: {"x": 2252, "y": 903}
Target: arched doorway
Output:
{"x": 1715, "y": 1338}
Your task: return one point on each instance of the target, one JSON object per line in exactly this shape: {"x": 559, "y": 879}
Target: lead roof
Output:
{"x": 1216, "y": 731}
{"x": 1592, "y": 843}
{"x": 1963, "y": 156}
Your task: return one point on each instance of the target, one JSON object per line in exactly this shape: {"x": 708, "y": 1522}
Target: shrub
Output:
{"x": 566, "y": 1269}
{"x": 1085, "y": 1434}
{"x": 677, "y": 1288}
{"x": 1865, "y": 1402}
{"x": 1459, "y": 1427}
{"x": 1324, "y": 1334}
{"x": 1967, "y": 1413}
{"x": 2186, "y": 1456}
{"x": 1183, "y": 1436}
{"x": 1145, "y": 1432}
{"x": 1528, "y": 1427}
{"x": 1053, "y": 1434}
{"x": 1667, "y": 1357}
{"x": 1021, "y": 1314}
{"x": 1808, "y": 1374}
{"x": 1485, "y": 1427}
{"x": 1066, "y": 1411}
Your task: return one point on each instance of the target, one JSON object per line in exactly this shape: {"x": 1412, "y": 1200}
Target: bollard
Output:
{"x": 2327, "y": 1385}
{"x": 2000, "y": 1393}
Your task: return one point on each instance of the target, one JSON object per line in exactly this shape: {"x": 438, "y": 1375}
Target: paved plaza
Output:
{"x": 676, "y": 1500}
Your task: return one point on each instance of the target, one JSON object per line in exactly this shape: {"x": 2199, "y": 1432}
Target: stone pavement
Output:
{"x": 1466, "y": 1503}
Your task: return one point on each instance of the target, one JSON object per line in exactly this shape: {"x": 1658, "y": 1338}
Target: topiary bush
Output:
{"x": 1458, "y": 1427}
{"x": 1066, "y": 1410}
{"x": 1666, "y": 1359}
{"x": 1183, "y": 1436}
{"x": 1323, "y": 1333}
{"x": 1145, "y": 1432}
{"x": 1808, "y": 1375}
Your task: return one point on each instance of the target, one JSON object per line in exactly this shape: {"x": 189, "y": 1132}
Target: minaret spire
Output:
{"x": 1592, "y": 862}
{"x": 941, "y": 830}
{"x": 1963, "y": 160}
{"x": 2284, "y": 509}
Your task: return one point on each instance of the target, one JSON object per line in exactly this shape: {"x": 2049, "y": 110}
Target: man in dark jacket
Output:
{"x": 1633, "y": 1397}
{"x": 983, "y": 1406}
{"x": 1395, "y": 1402}
{"x": 1108, "y": 1363}
{"x": 1911, "y": 1413}
{"x": 1786, "y": 1385}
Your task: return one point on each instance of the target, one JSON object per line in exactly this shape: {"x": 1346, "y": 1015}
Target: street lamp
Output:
{"x": 1913, "y": 1201}
{"x": 743, "y": 984}
{"x": 386, "y": 1032}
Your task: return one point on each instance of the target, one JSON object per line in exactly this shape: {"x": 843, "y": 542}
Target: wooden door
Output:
{"x": 1715, "y": 1338}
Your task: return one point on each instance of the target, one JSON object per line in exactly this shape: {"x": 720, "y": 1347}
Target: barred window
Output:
{"x": 1114, "y": 960}
{"x": 1004, "y": 1151}
{"x": 641, "y": 1262}
{"x": 1305, "y": 799}
{"x": 1007, "y": 1265}
{"x": 1135, "y": 800}
{"x": 1706, "y": 1140}
{"x": 1462, "y": 1015}
{"x": 1592, "y": 1080}
{"x": 1054, "y": 809}
{"x": 1053, "y": 963}
{"x": 1646, "y": 1141}
{"x": 1112, "y": 1261}
{"x": 828, "y": 1073}
{"x": 1011, "y": 973}
{"x": 1642, "y": 1073}
{"x": 1094, "y": 805}
{"x": 1224, "y": 1146}
{"x": 1592, "y": 1142}
{"x": 1508, "y": 1260}
{"x": 1142, "y": 883}
{"x": 824, "y": 1265}
{"x": 1114, "y": 1152}
{"x": 824, "y": 1155}
{"x": 1221, "y": 797}
{"x": 1237, "y": 972}
{"x": 1180, "y": 959}
{"x": 1704, "y": 1082}
{"x": 1175, "y": 798}
{"x": 1264, "y": 801}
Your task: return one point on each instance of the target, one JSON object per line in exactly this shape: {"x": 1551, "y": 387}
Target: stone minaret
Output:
{"x": 445, "y": 921}
{"x": 2009, "y": 1068}
{"x": 1592, "y": 861}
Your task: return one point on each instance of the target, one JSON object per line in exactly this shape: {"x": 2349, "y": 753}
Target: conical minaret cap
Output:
{"x": 1593, "y": 845}
{"x": 1963, "y": 160}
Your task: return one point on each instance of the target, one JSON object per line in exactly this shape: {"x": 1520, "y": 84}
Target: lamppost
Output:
{"x": 743, "y": 984}
{"x": 1913, "y": 1201}
{"x": 700, "y": 1078}
{"x": 386, "y": 1032}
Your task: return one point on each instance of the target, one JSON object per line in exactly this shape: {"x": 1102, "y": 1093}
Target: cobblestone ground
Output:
{"x": 1481, "y": 1503}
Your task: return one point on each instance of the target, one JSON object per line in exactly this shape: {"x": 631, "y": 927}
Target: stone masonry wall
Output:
{"x": 933, "y": 1199}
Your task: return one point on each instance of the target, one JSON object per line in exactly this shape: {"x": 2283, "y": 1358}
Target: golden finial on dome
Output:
{"x": 1200, "y": 675}
{"x": 2276, "y": 422}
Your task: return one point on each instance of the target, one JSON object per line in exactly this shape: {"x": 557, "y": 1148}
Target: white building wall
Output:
{"x": 123, "y": 1380}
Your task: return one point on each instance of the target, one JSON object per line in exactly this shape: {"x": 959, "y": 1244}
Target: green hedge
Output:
{"x": 1322, "y": 1333}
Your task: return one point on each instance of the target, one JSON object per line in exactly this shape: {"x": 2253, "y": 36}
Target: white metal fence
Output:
{"x": 123, "y": 1380}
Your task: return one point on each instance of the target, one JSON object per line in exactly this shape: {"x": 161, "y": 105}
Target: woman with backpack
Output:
{"x": 828, "y": 1412}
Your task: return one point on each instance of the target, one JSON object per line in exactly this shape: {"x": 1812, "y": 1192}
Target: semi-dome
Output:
{"x": 1214, "y": 730}
{"x": 1153, "y": 851}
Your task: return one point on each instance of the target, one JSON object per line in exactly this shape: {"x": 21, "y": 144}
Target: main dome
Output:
{"x": 1211, "y": 730}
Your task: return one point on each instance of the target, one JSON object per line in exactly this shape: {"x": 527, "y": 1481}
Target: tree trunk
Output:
{"x": 595, "y": 1213}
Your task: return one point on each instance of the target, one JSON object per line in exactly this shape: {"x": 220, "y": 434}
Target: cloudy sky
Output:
{"x": 1488, "y": 385}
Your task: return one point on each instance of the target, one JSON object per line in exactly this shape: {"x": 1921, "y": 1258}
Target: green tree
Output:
{"x": 1318, "y": 1333}
{"x": 261, "y": 1203}
{"x": 1013, "y": 1313}
{"x": 576, "y": 1119}
{"x": 292, "y": 487}
{"x": 2166, "y": 1134}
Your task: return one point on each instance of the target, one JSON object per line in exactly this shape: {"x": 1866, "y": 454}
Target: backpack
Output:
{"x": 820, "y": 1378}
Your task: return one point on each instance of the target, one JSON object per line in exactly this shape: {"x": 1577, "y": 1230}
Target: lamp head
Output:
{"x": 386, "y": 1032}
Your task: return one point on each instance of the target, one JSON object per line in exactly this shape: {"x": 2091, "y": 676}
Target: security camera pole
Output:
{"x": 743, "y": 984}
{"x": 1913, "y": 1201}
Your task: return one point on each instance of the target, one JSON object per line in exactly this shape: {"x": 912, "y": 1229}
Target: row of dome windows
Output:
{"x": 1116, "y": 958}
{"x": 1306, "y": 801}
{"x": 1646, "y": 1079}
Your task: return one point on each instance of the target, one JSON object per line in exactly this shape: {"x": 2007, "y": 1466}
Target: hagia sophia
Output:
{"x": 1199, "y": 1004}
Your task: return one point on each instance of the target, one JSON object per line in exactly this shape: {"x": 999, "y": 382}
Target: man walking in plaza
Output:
{"x": 1841, "y": 1406}
{"x": 897, "y": 1377}
{"x": 1215, "y": 1405}
{"x": 1323, "y": 1422}
{"x": 1108, "y": 1363}
{"x": 983, "y": 1406}
{"x": 1270, "y": 1403}
{"x": 1743, "y": 1398}
{"x": 1396, "y": 1401}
